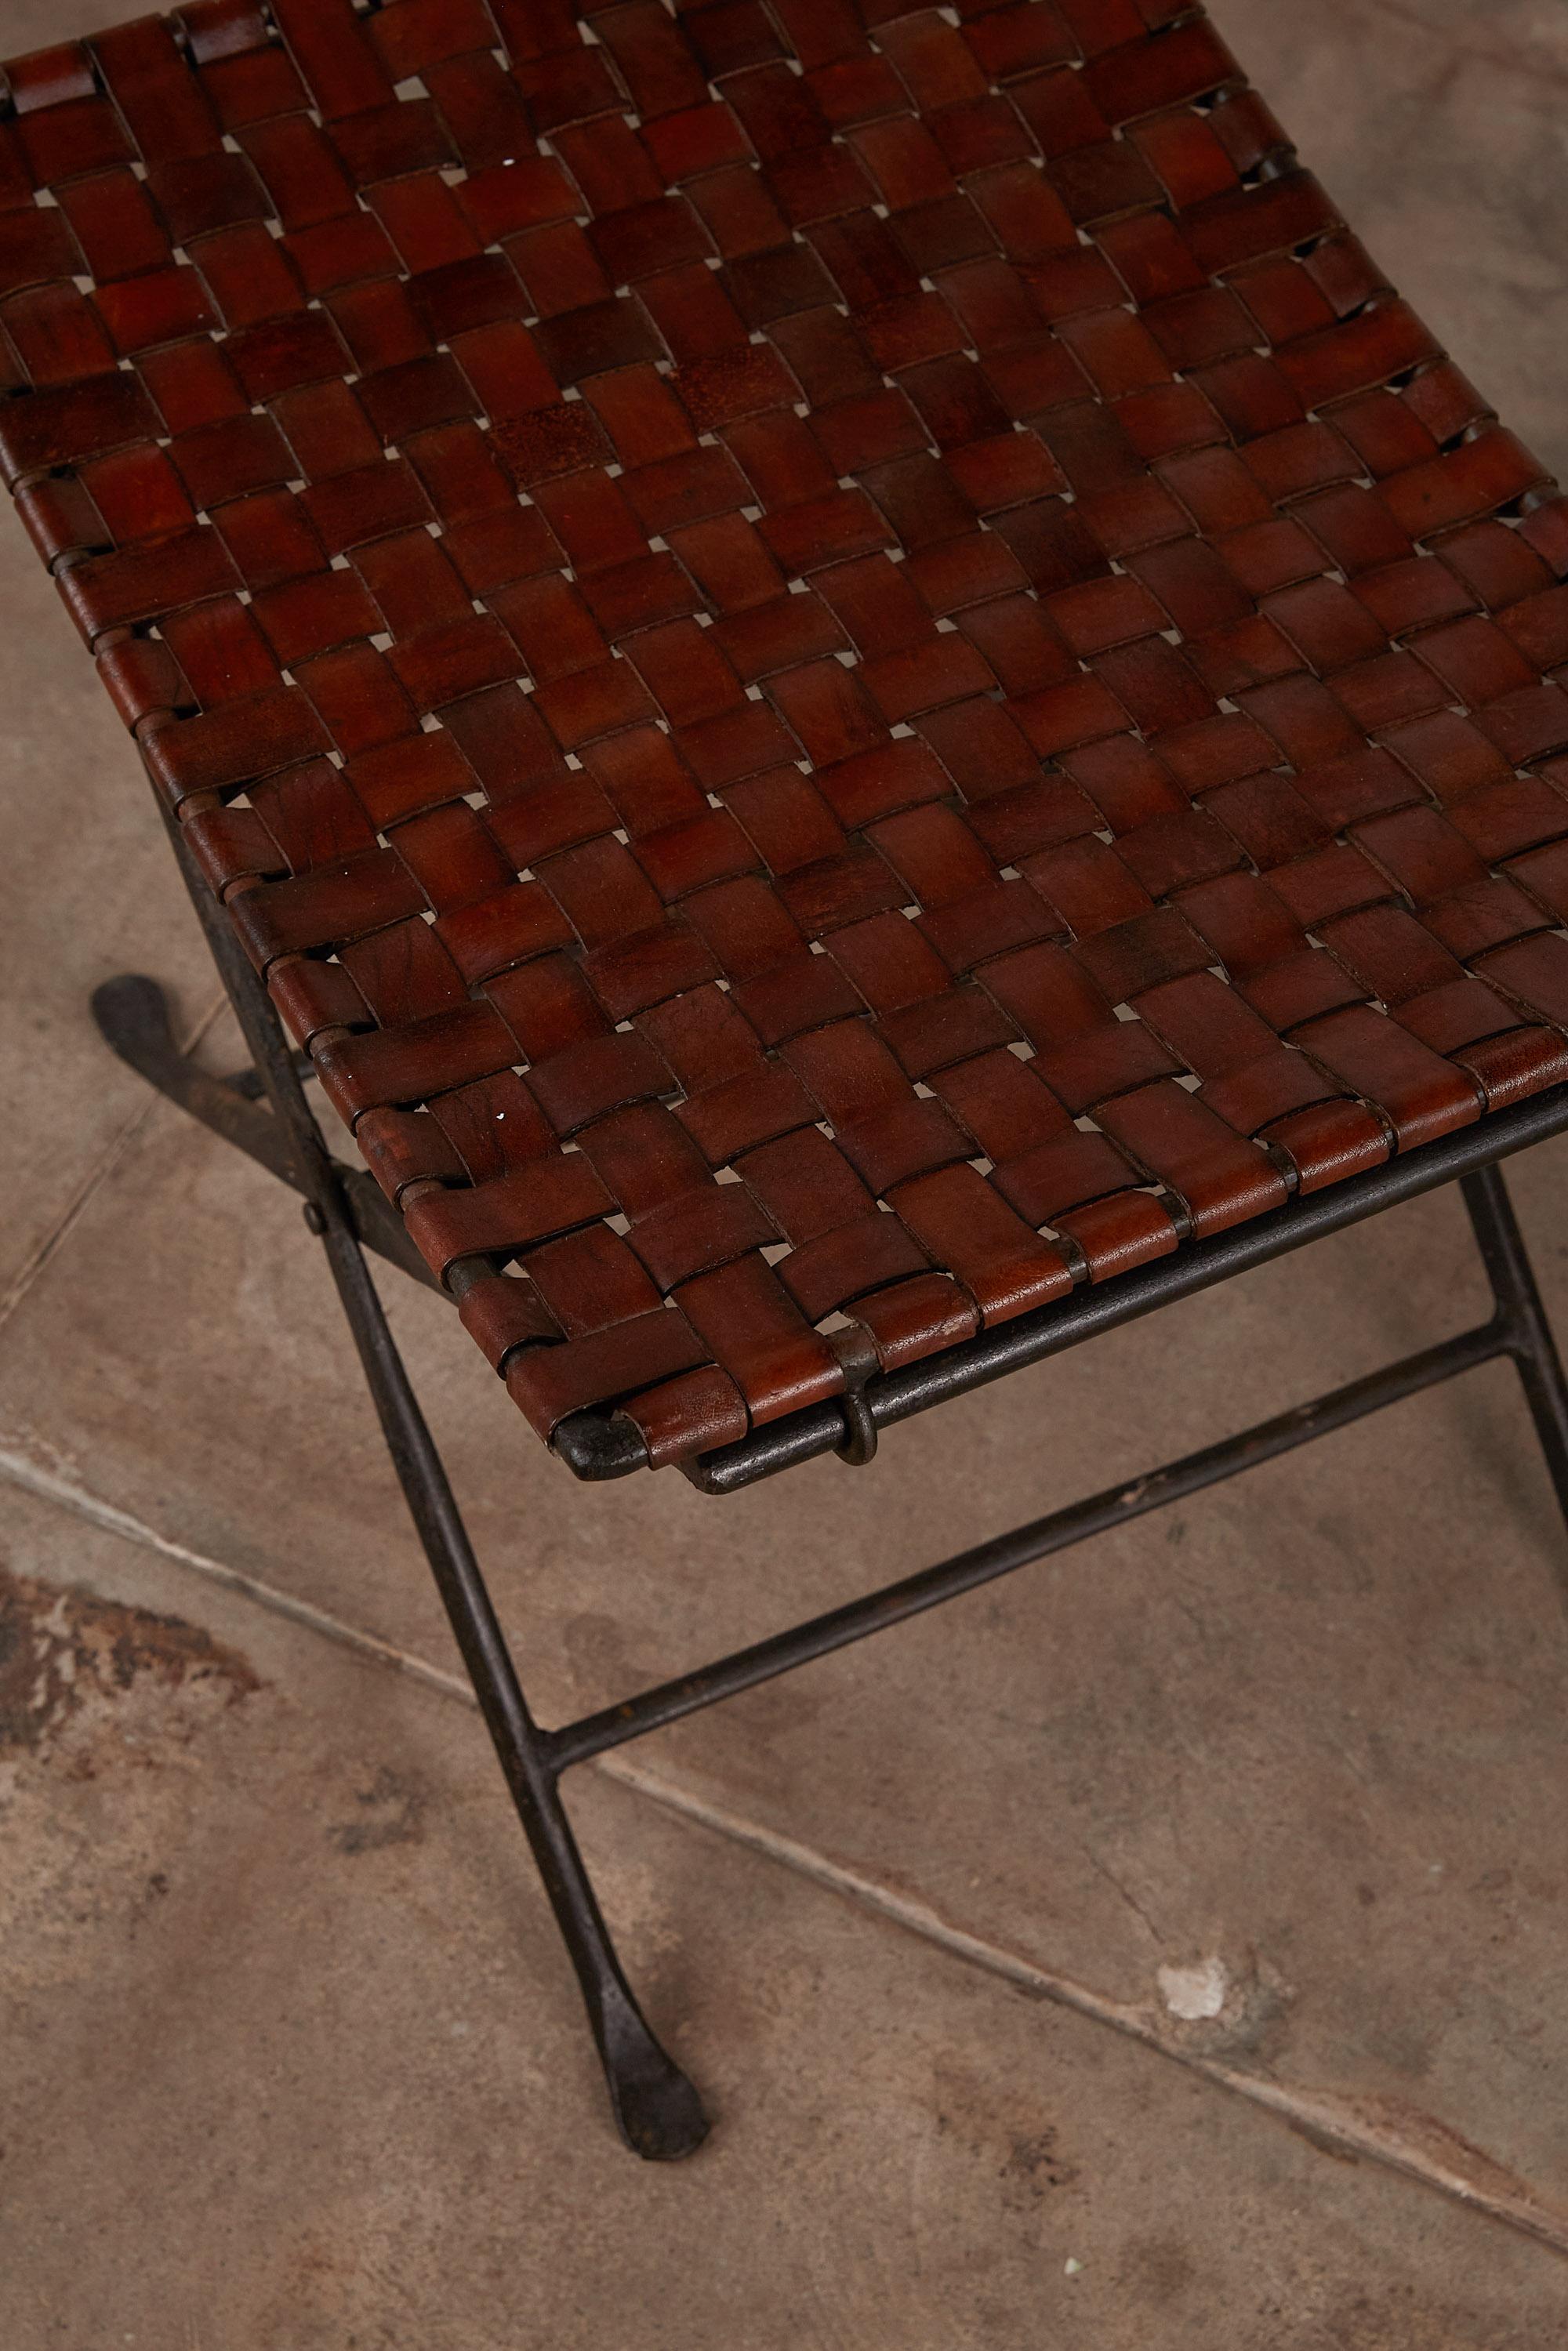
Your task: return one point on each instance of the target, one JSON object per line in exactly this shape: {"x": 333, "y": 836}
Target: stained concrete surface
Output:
{"x": 1291, "y": 1754}
{"x": 291, "y": 2061}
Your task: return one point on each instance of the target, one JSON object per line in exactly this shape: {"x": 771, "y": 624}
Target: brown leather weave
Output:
{"x": 845, "y": 664}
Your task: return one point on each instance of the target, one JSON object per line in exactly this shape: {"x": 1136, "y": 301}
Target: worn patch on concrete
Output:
{"x": 60, "y": 1648}
{"x": 391, "y": 1812}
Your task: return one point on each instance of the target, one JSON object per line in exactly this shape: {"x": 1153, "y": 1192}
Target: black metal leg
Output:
{"x": 659, "y": 2112}
{"x": 657, "y": 2109}
{"x": 1530, "y": 1342}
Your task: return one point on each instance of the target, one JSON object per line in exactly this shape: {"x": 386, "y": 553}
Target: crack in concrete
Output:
{"x": 1532, "y": 62}
{"x": 1110, "y": 1878}
{"x": 97, "y": 1174}
{"x": 1401, "y": 2138}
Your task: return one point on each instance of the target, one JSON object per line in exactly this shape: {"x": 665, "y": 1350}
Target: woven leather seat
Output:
{"x": 845, "y": 665}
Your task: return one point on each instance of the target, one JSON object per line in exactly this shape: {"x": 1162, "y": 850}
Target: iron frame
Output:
{"x": 656, "y": 2107}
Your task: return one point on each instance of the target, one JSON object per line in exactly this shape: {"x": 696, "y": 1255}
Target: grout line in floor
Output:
{"x": 48, "y": 1486}
{"x": 1399, "y": 2139}
{"x": 1348, "y": 2127}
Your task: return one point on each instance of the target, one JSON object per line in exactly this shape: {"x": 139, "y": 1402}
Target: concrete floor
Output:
{"x": 291, "y": 2059}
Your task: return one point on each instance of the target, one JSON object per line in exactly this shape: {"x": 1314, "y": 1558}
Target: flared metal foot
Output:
{"x": 132, "y": 1017}
{"x": 657, "y": 2108}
